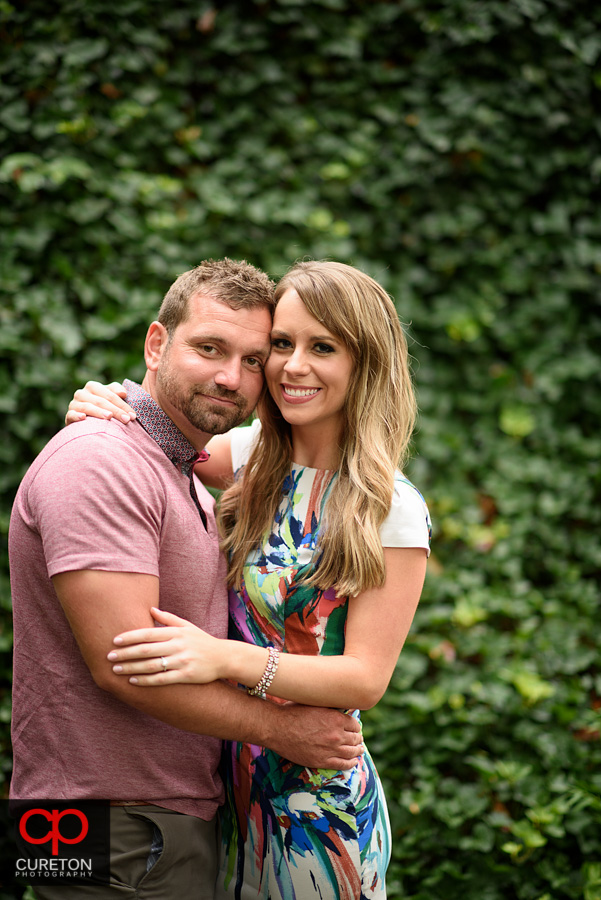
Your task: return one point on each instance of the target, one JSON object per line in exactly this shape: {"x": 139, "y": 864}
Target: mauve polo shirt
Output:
{"x": 103, "y": 495}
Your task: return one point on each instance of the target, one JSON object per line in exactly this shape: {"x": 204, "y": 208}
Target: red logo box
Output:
{"x": 61, "y": 841}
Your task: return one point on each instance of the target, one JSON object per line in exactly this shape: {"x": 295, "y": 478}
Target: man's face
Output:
{"x": 210, "y": 372}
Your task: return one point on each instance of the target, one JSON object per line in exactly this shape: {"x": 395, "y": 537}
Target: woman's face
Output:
{"x": 309, "y": 369}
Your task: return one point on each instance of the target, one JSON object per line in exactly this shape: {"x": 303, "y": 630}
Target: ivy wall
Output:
{"x": 452, "y": 149}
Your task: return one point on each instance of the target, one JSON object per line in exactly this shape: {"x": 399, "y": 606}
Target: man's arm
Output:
{"x": 100, "y": 604}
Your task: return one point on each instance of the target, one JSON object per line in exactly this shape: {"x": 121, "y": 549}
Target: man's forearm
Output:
{"x": 217, "y": 709}
{"x": 309, "y": 736}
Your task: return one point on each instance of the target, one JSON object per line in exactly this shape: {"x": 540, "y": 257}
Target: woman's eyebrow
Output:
{"x": 277, "y": 332}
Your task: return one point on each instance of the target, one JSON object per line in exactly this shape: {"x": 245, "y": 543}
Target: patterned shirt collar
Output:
{"x": 161, "y": 429}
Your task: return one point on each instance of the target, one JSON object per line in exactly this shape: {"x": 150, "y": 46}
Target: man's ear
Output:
{"x": 157, "y": 339}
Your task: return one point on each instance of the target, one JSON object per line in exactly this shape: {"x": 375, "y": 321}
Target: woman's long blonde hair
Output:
{"x": 379, "y": 416}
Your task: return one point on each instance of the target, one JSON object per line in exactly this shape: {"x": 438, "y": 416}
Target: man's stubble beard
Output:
{"x": 197, "y": 409}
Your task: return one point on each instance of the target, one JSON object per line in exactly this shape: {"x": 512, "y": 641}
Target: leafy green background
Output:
{"x": 452, "y": 149}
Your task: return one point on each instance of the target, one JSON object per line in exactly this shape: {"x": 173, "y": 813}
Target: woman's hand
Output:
{"x": 101, "y": 401}
{"x": 180, "y": 653}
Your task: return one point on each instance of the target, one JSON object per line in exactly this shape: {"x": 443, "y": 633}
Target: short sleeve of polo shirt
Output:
{"x": 97, "y": 504}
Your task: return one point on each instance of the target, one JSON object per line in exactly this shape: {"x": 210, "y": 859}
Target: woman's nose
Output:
{"x": 297, "y": 363}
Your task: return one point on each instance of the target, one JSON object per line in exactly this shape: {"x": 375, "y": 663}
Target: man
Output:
{"x": 107, "y": 524}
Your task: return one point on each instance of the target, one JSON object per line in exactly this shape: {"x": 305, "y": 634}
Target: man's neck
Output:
{"x": 198, "y": 439}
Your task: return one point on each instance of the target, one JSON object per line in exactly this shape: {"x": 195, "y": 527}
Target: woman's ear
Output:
{"x": 157, "y": 339}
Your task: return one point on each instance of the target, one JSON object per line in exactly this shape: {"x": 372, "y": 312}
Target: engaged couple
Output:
{"x": 228, "y": 740}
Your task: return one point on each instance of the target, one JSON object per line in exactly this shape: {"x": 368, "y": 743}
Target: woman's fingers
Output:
{"x": 173, "y": 676}
{"x": 100, "y": 401}
{"x": 147, "y": 666}
{"x": 148, "y": 655}
{"x": 152, "y": 672}
{"x": 143, "y": 653}
{"x": 74, "y": 416}
{"x": 155, "y": 680}
{"x": 167, "y": 618}
{"x": 115, "y": 392}
{"x": 145, "y": 637}
{"x": 114, "y": 386}
{"x": 172, "y": 669}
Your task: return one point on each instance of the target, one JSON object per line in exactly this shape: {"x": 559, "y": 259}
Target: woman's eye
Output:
{"x": 324, "y": 348}
{"x": 280, "y": 344}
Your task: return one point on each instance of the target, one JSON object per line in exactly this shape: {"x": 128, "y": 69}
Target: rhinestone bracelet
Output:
{"x": 260, "y": 689}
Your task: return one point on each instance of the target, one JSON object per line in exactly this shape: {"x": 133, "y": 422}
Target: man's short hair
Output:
{"x": 233, "y": 282}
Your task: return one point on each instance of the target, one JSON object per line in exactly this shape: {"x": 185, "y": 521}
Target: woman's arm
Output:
{"x": 105, "y": 401}
{"x": 377, "y": 625}
{"x": 217, "y": 471}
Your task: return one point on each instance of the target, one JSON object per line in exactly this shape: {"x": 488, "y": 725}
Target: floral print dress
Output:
{"x": 288, "y": 832}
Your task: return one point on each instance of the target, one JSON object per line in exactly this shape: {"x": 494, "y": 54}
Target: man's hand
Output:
{"x": 316, "y": 737}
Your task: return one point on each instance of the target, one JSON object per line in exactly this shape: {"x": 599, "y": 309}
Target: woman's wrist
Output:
{"x": 264, "y": 682}
{"x": 245, "y": 663}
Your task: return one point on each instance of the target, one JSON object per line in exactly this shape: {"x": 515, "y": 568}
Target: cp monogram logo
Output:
{"x": 54, "y": 834}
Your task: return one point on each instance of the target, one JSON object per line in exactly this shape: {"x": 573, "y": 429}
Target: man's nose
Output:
{"x": 229, "y": 374}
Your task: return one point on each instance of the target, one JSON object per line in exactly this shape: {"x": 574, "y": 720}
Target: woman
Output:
{"x": 327, "y": 543}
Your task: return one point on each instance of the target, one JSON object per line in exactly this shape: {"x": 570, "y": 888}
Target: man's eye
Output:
{"x": 208, "y": 349}
{"x": 254, "y": 363}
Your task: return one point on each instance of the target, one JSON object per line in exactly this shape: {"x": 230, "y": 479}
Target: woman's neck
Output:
{"x": 313, "y": 447}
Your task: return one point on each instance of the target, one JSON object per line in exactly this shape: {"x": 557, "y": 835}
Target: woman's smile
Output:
{"x": 298, "y": 393}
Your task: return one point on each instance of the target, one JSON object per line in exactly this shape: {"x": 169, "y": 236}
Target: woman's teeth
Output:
{"x": 300, "y": 392}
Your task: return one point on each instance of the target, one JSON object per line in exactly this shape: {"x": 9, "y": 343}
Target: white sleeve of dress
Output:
{"x": 408, "y": 522}
{"x": 242, "y": 440}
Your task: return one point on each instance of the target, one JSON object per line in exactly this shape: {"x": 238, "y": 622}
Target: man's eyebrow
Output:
{"x": 208, "y": 339}
{"x": 224, "y": 342}
{"x": 263, "y": 353}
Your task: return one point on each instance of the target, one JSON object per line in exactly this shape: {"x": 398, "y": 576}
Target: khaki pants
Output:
{"x": 186, "y": 868}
